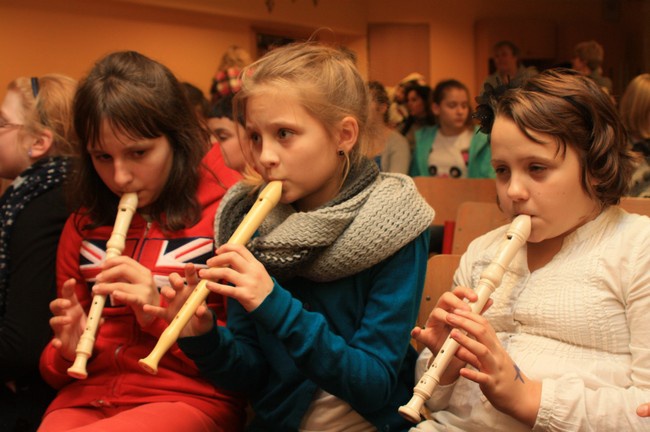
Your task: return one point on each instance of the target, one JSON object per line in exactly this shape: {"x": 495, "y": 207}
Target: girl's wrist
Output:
{"x": 527, "y": 402}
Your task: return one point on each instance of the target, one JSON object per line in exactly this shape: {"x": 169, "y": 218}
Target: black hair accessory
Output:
{"x": 35, "y": 87}
{"x": 487, "y": 102}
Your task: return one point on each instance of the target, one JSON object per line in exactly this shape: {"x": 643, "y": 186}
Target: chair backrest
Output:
{"x": 477, "y": 218}
{"x": 473, "y": 220}
{"x": 636, "y": 205}
{"x": 445, "y": 194}
{"x": 439, "y": 279}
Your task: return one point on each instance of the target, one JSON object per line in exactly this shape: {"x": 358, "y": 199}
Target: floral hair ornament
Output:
{"x": 488, "y": 101}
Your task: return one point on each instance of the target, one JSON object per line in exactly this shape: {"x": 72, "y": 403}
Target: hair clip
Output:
{"x": 487, "y": 102}
{"x": 35, "y": 86}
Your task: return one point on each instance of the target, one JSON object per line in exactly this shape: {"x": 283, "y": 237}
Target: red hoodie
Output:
{"x": 114, "y": 376}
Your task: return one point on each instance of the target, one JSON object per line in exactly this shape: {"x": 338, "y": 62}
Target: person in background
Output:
{"x": 454, "y": 147}
{"x": 230, "y": 134}
{"x": 325, "y": 296}
{"x": 418, "y": 103}
{"x": 397, "y": 111}
{"x": 37, "y": 146}
{"x": 137, "y": 134}
{"x": 564, "y": 343}
{"x": 391, "y": 150}
{"x": 588, "y": 60}
{"x": 635, "y": 114}
{"x": 197, "y": 101}
{"x": 226, "y": 80}
{"x": 505, "y": 55}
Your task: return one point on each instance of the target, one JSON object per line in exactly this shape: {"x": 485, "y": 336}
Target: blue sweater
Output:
{"x": 349, "y": 337}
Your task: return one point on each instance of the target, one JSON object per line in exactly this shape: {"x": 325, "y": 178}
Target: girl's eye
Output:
{"x": 139, "y": 153}
{"x": 255, "y": 138}
{"x": 501, "y": 171}
{"x": 284, "y": 133}
{"x": 221, "y": 137}
{"x": 101, "y": 157}
{"x": 537, "y": 168}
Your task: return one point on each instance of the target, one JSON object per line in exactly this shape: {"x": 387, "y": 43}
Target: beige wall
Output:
{"x": 67, "y": 36}
{"x": 456, "y": 52}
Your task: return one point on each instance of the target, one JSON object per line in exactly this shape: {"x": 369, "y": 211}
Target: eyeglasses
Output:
{"x": 5, "y": 124}
{"x": 35, "y": 88}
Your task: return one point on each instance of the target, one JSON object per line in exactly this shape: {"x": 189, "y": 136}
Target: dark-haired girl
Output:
{"x": 137, "y": 134}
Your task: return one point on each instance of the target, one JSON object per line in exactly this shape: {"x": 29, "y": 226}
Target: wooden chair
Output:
{"x": 439, "y": 279}
{"x": 477, "y": 218}
{"x": 636, "y": 205}
{"x": 473, "y": 220}
{"x": 446, "y": 194}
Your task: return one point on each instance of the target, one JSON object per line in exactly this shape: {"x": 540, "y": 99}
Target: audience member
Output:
{"x": 197, "y": 101}
{"x": 635, "y": 114}
{"x": 226, "y": 80}
{"x": 37, "y": 142}
{"x": 508, "y": 66}
{"x": 454, "y": 147}
{"x": 418, "y": 103}
{"x": 397, "y": 111}
{"x": 390, "y": 150}
{"x": 137, "y": 133}
{"x": 230, "y": 135}
{"x": 588, "y": 60}
{"x": 565, "y": 344}
{"x": 318, "y": 324}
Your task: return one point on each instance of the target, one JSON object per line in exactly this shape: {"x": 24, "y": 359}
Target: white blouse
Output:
{"x": 580, "y": 324}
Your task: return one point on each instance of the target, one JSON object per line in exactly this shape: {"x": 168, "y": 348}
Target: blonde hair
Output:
{"x": 50, "y": 108}
{"x": 235, "y": 57}
{"x": 635, "y": 107}
{"x": 327, "y": 82}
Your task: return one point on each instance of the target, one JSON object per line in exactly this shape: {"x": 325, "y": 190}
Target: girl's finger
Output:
{"x": 157, "y": 311}
{"x": 176, "y": 282}
{"x": 226, "y": 290}
{"x": 191, "y": 274}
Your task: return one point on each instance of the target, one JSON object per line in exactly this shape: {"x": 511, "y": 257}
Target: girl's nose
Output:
{"x": 517, "y": 190}
{"x": 122, "y": 174}
{"x": 268, "y": 156}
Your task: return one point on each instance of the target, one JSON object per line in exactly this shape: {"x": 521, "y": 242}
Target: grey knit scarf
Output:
{"x": 372, "y": 217}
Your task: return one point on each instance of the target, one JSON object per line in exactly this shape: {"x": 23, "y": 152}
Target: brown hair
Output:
{"x": 576, "y": 112}
{"x": 440, "y": 92}
{"x": 379, "y": 94}
{"x": 143, "y": 99}
{"x": 514, "y": 49}
{"x": 590, "y": 52}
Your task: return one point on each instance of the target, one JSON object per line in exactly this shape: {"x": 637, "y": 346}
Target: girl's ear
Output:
{"x": 435, "y": 108}
{"x": 42, "y": 145}
{"x": 348, "y": 134}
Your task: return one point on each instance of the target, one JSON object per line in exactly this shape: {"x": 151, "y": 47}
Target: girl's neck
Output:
{"x": 382, "y": 136}
{"x": 541, "y": 253}
{"x": 451, "y": 131}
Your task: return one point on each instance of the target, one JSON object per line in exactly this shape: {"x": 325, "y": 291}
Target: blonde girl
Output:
{"x": 322, "y": 300}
